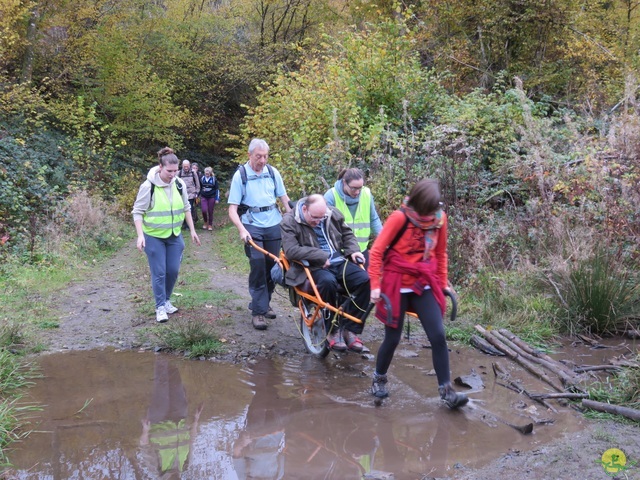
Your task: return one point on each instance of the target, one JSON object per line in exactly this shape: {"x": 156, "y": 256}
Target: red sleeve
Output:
{"x": 440, "y": 253}
{"x": 391, "y": 227}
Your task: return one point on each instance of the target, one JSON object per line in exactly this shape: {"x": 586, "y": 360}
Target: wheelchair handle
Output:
{"x": 263, "y": 251}
{"x": 454, "y": 306}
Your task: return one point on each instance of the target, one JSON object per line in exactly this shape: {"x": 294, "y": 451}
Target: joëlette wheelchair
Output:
{"x": 316, "y": 315}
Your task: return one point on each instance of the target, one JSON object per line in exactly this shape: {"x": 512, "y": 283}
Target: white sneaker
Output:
{"x": 169, "y": 307}
{"x": 161, "y": 315}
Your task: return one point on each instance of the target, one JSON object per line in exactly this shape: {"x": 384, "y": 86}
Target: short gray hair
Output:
{"x": 257, "y": 143}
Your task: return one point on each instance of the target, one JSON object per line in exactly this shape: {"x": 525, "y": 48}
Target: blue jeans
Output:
{"x": 164, "y": 256}
{"x": 261, "y": 285}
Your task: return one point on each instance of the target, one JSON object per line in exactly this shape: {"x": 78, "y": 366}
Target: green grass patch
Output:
{"x": 511, "y": 300}
{"x": 230, "y": 248}
{"x": 15, "y": 374}
{"x": 191, "y": 337}
{"x": 598, "y": 294}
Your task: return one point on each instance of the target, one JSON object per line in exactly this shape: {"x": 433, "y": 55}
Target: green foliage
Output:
{"x": 623, "y": 389}
{"x": 597, "y": 294}
{"x": 14, "y": 375}
{"x": 194, "y": 338}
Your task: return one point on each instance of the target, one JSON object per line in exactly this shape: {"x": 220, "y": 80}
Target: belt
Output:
{"x": 262, "y": 209}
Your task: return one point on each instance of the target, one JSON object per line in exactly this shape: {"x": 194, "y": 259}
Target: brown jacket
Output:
{"x": 299, "y": 241}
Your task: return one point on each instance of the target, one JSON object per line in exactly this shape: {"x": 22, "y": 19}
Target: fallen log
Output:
{"x": 511, "y": 385}
{"x": 627, "y": 412}
{"x": 569, "y": 395}
{"x": 484, "y": 346}
{"x": 537, "y": 353}
{"x": 568, "y": 380}
{"x": 592, "y": 368}
{"x": 518, "y": 358}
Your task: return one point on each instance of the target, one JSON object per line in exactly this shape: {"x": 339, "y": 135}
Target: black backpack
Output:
{"x": 243, "y": 208}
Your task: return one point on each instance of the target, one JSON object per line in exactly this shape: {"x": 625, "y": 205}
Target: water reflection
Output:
{"x": 156, "y": 416}
{"x": 165, "y": 443}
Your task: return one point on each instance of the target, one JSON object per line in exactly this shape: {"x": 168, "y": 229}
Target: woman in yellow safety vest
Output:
{"x": 160, "y": 208}
{"x": 355, "y": 202}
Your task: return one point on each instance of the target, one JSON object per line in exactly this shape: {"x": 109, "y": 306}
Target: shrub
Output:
{"x": 597, "y": 294}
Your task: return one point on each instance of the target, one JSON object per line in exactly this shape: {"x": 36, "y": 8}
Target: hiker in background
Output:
{"x": 191, "y": 180}
{"x": 209, "y": 196}
{"x": 158, "y": 213}
{"x": 409, "y": 265}
{"x": 254, "y": 190}
{"x": 355, "y": 202}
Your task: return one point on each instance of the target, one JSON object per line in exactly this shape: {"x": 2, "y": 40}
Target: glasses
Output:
{"x": 353, "y": 189}
{"x": 318, "y": 219}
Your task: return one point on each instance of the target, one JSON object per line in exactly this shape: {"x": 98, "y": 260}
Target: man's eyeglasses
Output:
{"x": 317, "y": 219}
{"x": 353, "y": 189}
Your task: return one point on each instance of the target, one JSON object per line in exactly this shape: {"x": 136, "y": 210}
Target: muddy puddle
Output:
{"x": 129, "y": 415}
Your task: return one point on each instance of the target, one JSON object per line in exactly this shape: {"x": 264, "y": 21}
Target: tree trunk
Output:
{"x": 29, "y": 53}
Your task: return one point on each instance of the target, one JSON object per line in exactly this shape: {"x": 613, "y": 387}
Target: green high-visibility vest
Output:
{"x": 164, "y": 218}
{"x": 360, "y": 223}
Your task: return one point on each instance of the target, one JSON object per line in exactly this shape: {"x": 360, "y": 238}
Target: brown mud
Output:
{"x": 102, "y": 310}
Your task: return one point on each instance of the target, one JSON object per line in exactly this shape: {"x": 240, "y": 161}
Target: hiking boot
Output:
{"x": 259, "y": 322}
{"x": 169, "y": 308}
{"x": 451, "y": 398}
{"x": 379, "y": 386}
{"x": 353, "y": 342}
{"x": 270, "y": 313}
{"x": 335, "y": 340}
{"x": 161, "y": 315}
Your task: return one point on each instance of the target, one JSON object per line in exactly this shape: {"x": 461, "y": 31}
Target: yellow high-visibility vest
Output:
{"x": 165, "y": 217}
{"x": 360, "y": 223}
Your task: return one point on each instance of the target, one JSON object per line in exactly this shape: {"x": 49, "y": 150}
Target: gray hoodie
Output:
{"x": 141, "y": 204}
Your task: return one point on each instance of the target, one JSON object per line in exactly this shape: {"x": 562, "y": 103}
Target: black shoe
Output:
{"x": 451, "y": 398}
{"x": 379, "y": 386}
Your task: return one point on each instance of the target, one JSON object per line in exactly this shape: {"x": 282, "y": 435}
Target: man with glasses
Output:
{"x": 355, "y": 202}
{"x": 260, "y": 221}
{"x": 317, "y": 233}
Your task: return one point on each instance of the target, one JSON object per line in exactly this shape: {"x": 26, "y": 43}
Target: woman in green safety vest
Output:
{"x": 160, "y": 208}
{"x": 355, "y": 202}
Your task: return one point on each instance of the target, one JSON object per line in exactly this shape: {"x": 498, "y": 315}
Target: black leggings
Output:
{"x": 430, "y": 316}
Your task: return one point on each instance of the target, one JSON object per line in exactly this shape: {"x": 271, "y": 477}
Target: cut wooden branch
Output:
{"x": 569, "y": 395}
{"x": 567, "y": 379}
{"x": 590, "y": 341}
{"x": 499, "y": 372}
{"x": 537, "y": 372}
{"x": 627, "y": 412}
{"x": 537, "y": 353}
{"x": 484, "y": 346}
{"x": 592, "y": 368}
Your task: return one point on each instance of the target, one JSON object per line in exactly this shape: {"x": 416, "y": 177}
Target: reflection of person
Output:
{"x": 355, "y": 202}
{"x": 166, "y": 438}
{"x": 259, "y": 450}
{"x": 409, "y": 264}
{"x": 209, "y": 196}
{"x": 318, "y": 234}
{"x": 257, "y": 186}
{"x": 158, "y": 213}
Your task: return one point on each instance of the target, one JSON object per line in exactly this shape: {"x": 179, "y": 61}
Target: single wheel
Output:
{"x": 315, "y": 338}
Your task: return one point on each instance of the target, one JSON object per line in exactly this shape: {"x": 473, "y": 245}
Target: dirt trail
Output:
{"x": 103, "y": 309}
